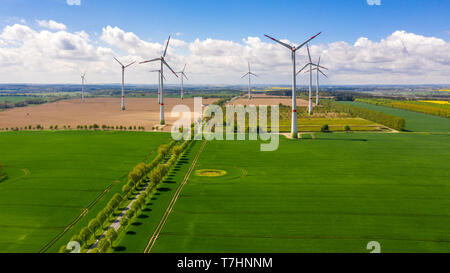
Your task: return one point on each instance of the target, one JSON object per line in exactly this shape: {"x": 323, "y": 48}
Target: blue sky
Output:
{"x": 232, "y": 20}
{"x": 344, "y": 20}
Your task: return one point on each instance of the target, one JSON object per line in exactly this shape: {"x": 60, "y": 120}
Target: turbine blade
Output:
{"x": 169, "y": 67}
{"x": 309, "y": 54}
{"x": 322, "y": 67}
{"x": 118, "y": 61}
{"x": 318, "y": 63}
{"x": 154, "y": 71}
{"x": 152, "y": 60}
{"x": 185, "y": 76}
{"x": 300, "y": 46}
{"x": 251, "y": 73}
{"x": 306, "y": 65}
{"x": 323, "y": 73}
{"x": 184, "y": 68}
{"x": 249, "y": 67}
{"x": 245, "y": 75}
{"x": 130, "y": 64}
{"x": 167, "y": 45}
{"x": 281, "y": 43}
{"x": 164, "y": 77}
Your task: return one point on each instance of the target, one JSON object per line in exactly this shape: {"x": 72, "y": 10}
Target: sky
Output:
{"x": 362, "y": 41}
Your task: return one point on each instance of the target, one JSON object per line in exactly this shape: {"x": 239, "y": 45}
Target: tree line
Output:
{"x": 143, "y": 174}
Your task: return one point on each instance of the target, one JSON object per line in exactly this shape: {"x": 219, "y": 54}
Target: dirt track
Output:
{"x": 101, "y": 111}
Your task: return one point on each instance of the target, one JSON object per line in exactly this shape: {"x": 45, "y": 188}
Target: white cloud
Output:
{"x": 51, "y": 24}
{"x": 28, "y": 55}
{"x": 73, "y": 2}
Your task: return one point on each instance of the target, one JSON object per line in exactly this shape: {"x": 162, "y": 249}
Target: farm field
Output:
{"x": 101, "y": 111}
{"x": 415, "y": 122}
{"x": 53, "y": 177}
{"x": 318, "y": 195}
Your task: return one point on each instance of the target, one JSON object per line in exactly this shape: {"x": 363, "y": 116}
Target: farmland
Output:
{"x": 54, "y": 177}
{"x": 415, "y": 122}
{"x": 437, "y": 108}
{"x": 320, "y": 195}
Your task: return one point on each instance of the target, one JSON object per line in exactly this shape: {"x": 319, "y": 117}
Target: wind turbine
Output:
{"x": 163, "y": 62}
{"x": 311, "y": 64}
{"x": 123, "y": 81}
{"x": 317, "y": 80}
{"x": 83, "y": 80}
{"x": 159, "y": 83}
{"x": 183, "y": 75}
{"x": 293, "y": 49}
{"x": 250, "y": 74}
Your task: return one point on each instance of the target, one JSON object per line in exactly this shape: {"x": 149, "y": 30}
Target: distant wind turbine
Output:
{"x": 123, "y": 81}
{"x": 293, "y": 49}
{"x": 183, "y": 75}
{"x": 249, "y": 74}
{"x": 163, "y": 62}
{"x": 83, "y": 80}
{"x": 159, "y": 83}
{"x": 311, "y": 64}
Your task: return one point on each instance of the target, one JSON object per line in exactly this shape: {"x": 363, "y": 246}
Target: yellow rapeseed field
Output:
{"x": 436, "y": 101}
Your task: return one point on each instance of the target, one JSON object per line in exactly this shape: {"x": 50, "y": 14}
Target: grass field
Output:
{"x": 334, "y": 193}
{"x": 53, "y": 177}
{"x": 415, "y": 122}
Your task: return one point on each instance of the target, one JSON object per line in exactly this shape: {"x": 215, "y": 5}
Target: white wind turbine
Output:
{"x": 159, "y": 83}
{"x": 83, "y": 80}
{"x": 163, "y": 62}
{"x": 249, "y": 74}
{"x": 183, "y": 75}
{"x": 293, "y": 49}
{"x": 317, "y": 80}
{"x": 123, "y": 81}
{"x": 311, "y": 64}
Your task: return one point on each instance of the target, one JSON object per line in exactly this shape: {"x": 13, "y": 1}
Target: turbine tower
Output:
{"x": 317, "y": 80}
{"x": 293, "y": 49}
{"x": 123, "y": 81}
{"x": 83, "y": 80}
{"x": 159, "y": 83}
{"x": 250, "y": 74}
{"x": 311, "y": 64}
{"x": 183, "y": 75}
{"x": 163, "y": 62}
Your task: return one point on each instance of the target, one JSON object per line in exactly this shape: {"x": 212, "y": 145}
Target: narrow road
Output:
{"x": 163, "y": 220}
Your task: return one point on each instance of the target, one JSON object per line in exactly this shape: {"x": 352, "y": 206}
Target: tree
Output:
{"x": 325, "y": 128}
{"x": 347, "y": 128}
{"x": 124, "y": 222}
{"x": 103, "y": 245}
{"x": 111, "y": 234}
{"x": 85, "y": 235}
{"x": 93, "y": 225}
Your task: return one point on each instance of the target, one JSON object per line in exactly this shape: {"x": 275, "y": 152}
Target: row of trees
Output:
{"x": 375, "y": 116}
{"x": 79, "y": 127}
{"x": 155, "y": 176}
{"x": 153, "y": 173}
{"x": 442, "y": 110}
{"x": 97, "y": 224}
{"x": 27, "y": 128}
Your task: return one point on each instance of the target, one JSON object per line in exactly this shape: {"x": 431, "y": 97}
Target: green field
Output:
{"x": 54, "y": 176}
{"x": 415, "y": 122}
{"x": 334, "y": 193}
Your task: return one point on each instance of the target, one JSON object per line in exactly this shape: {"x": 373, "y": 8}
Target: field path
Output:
{"x": 163, "y": 220}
